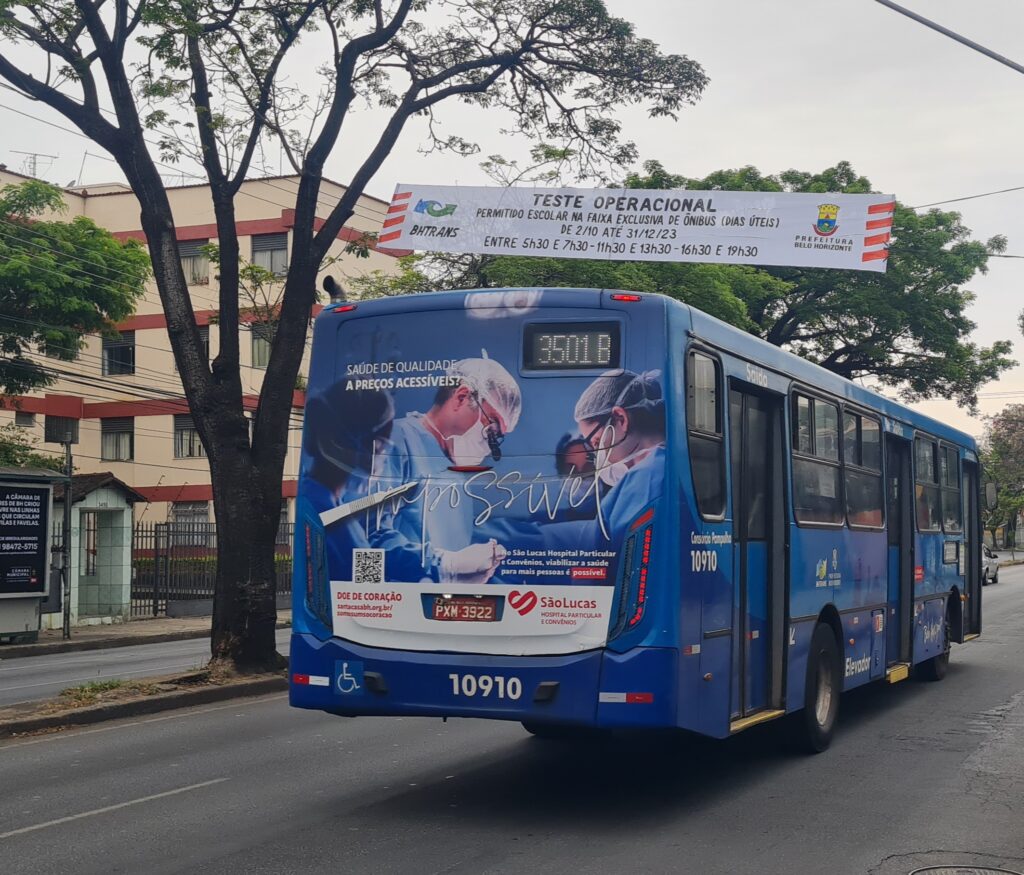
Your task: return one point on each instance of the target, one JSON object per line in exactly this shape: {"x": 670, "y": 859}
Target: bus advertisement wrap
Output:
{"x": 848, "y": 231}
{"x": 461, "y": 500}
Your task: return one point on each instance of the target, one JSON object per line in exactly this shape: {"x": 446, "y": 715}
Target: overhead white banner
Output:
{"x": 848, "y": 231}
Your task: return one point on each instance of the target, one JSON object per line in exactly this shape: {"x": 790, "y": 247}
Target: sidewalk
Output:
{"x": 150, "y": 631}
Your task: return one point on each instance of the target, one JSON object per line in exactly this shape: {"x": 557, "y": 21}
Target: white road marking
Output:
{"x": 105, "y": 809}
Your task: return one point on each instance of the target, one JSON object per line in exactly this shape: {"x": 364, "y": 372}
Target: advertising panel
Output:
{"x": 831, "y": 230}
{"x": 470, "y": 477}
{"x": 24, "y": 539}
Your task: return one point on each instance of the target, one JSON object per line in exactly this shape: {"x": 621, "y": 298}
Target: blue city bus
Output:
{"x": 587, "y": 509}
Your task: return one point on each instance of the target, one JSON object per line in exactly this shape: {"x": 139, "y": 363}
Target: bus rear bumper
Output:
{"x": 597, "y": 688}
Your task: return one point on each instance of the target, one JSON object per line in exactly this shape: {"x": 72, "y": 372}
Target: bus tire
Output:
{"x": 935, "y": 669}
{"x": 816, "y": 723}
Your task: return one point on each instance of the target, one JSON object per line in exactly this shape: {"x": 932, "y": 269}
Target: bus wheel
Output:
{"x": 816, "y": 724}
{"x": 935, "y": 669}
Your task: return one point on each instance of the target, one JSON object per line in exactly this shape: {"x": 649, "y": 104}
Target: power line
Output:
{"x": 952, "y": 34}
{"x": 969, "y": 197}
{"x": 178, "y": 170}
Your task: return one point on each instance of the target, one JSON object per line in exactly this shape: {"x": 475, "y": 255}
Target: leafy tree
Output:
{"x": 58, "y": 280}
{"x": 1002, "y": 460}
{"x": 212, "y": 85}
{"x": 17, "y": 451}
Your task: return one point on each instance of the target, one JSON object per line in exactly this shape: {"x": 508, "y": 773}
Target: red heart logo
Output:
{"x": 524, "y": 602}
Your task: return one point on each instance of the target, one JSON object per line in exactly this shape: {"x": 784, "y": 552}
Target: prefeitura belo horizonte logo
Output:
{"x": 828, "y": 220}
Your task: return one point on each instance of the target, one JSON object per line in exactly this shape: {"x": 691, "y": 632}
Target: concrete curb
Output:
{"x": 18, "y": 651}
{"x": 148, "y": 705}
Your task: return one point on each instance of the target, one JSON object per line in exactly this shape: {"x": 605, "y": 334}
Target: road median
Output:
{"x": 115, "y": 699}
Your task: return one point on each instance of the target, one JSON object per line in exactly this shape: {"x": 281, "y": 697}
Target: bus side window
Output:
{"x": 817, "y": 476}
{"x": 952, "y": 516}
{"x": 926, "y": 489}
{"x": 862, "y": 462}
{"x": 704, "y": 428}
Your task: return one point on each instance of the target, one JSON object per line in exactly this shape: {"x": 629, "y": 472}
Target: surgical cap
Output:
{"x": 493, "y": 384}
{"x": 624, "y": 389}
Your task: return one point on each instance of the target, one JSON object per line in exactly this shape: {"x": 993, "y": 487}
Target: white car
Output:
{"x": 989, "y": 565}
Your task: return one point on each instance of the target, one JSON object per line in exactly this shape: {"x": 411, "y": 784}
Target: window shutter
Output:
{"x": 269, "y": 242}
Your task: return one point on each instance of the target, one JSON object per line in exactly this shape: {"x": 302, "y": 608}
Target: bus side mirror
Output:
{"x": 991, "y": 498}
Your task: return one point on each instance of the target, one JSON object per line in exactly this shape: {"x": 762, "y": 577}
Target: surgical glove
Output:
{"x": 472, "y": 559}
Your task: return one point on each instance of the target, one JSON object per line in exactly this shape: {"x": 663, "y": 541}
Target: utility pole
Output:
{"x": 66, "y": 570}
{"x": 32, "y": 161}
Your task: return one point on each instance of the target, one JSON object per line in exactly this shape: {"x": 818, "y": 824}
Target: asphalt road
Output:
{"x": 41, "y": 677}
{"x": 919, "y": 775}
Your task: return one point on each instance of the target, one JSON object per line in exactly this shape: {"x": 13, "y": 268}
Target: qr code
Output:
{"x": 368, "y": 566}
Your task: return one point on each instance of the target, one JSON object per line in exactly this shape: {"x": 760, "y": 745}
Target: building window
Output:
{"x": 90, "y": 543}
{"x": 186, "y": 438}
{"x": 190, "y": 524}
{"x": 24, "y": 420}
{"x": 58, "y": 429}
{"x": 194, "y": 262}
{"x": 117, "y": 439}
{"x": 119, "y": 354}
{"x": 270, "y": 251}
{"x": 186, "y": 512}
{"x": 262, "y": 338}
{"x": 817, "y": 475}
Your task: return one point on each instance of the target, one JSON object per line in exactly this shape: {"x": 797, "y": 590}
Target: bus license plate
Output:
{"x": 467, "y": 609}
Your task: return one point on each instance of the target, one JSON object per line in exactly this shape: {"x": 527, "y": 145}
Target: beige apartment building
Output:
{"x": 123, "y": 396}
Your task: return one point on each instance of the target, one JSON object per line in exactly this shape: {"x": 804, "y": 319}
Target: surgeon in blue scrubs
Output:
{"x": 621, "y": 421}
{"x": 464, "y": 426}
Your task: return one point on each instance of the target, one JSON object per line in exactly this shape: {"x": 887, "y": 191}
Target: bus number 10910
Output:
{"x": 484, "y": 685}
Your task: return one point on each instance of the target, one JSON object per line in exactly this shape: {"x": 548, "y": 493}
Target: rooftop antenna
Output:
{"x": 31, "y": 162}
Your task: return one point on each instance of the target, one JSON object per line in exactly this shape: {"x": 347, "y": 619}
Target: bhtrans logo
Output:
{"x": 857, "y": 666}
{"x": 828, "y": 220}
{"x": 435, "y": 208}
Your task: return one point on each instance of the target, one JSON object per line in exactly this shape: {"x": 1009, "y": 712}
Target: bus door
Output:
{"x": 972, "y": 551}
{"x": 899, "y": 523}
{"x": 759, "y": 604}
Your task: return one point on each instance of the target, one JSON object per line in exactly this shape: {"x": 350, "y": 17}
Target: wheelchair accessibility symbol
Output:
{"x": 348, "y": 677}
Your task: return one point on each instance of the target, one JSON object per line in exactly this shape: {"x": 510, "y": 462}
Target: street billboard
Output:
{"x": 24, "y": 539}
{"x": 846, "y": 231}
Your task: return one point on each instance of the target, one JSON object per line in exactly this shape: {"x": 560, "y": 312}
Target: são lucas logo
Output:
{"x": 828, "y": 220}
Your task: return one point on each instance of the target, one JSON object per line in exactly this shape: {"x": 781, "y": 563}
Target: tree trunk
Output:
{"x": 245, "y": 604}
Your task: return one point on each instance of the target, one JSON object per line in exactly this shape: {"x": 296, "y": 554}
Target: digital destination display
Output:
{"x": 559, "y": 346}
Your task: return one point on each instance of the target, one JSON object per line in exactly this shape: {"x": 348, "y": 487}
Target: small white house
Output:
{"x": 101, "y": 549}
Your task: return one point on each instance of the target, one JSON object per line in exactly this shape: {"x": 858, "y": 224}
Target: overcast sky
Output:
{"x": 794, "y": 83}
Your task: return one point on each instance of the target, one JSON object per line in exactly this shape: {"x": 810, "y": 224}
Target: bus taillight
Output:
{"x": 641, "y": 592}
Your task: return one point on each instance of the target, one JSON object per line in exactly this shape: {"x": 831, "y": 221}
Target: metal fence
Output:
{"x": 174, "y": 567}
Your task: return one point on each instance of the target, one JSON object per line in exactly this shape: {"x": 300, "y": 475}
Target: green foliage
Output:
{"x": 17, "y": 450}
{"x": 1002, "y": 460}
{"x": 58, "y": 280}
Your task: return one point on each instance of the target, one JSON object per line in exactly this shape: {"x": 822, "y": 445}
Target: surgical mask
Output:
{"x": 611, "y": 473}
{"x": 470, "y": 448}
